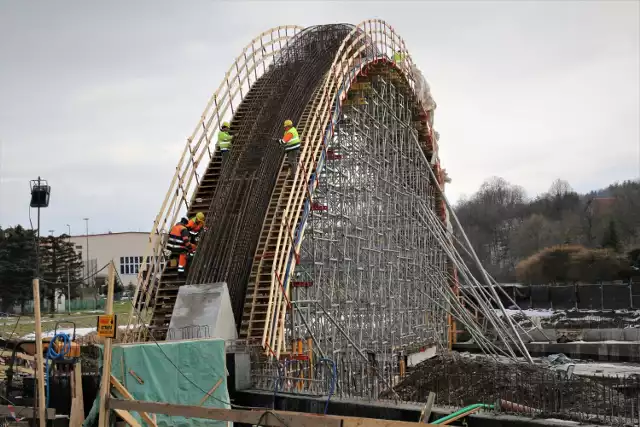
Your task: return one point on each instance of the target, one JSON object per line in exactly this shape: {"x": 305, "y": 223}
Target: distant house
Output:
{"x": 127, "y": 249}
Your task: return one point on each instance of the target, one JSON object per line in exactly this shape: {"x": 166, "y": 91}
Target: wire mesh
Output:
{"x": 242, "y": 197}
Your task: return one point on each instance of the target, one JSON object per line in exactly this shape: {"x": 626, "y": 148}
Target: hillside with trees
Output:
{"x": 556, "y": 237}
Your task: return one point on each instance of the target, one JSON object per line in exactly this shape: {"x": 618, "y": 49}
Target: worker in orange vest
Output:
{"x": 180, "y": 243}
{"x": 195, "y": 225}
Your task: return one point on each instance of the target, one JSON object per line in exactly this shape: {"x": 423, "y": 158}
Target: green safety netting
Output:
{"x": 199, "y": 364}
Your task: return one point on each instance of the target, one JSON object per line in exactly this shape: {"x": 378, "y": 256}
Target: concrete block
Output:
{"x": 414, "y": 358}
{"x": 631, "y": 334}
{"x": 205, "y": 306}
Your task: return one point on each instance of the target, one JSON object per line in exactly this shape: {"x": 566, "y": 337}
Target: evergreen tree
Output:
{"x": 60, "y": 266}
{"x": 610, "y": 239}
{"x": 17, "y": 266}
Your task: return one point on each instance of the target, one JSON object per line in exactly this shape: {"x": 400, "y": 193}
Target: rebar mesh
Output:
{"x": 246, "y": 183}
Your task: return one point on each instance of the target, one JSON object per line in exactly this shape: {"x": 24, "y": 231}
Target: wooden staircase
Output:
{"x": 170, "y": 282}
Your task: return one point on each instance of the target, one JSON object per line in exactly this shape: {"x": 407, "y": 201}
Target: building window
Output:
{"x": 130, "y": 264}
{"x": 133, "y": 264}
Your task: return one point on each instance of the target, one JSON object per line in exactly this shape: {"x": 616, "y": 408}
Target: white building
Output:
{"x": 126, "y": 249}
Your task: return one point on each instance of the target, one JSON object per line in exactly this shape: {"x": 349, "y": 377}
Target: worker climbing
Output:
{"x": 179, "y": 243}
{"x": 195, "y": 226}
{"x": 224, "y": 141}
{"x": 291, "y": 142}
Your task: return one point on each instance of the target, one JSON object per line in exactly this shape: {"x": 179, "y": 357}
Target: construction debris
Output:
{"x": 461, "y": 380}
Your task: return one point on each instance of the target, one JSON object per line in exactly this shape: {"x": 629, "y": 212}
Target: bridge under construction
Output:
{"x": 353, "y": 259}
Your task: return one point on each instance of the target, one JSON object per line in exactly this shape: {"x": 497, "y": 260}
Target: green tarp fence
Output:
{"x": 179, "y": 372}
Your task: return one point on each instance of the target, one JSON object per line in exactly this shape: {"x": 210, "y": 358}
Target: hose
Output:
{"x": 466, "y": 410}
{"x": 334, "y": 375}
{"x": 53, "y": 355}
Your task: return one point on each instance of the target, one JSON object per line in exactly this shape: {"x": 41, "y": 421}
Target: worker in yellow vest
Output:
{"x": 224, "y": 141}
{"x": 398, "y": 57}
{"x": 291, "y": 142}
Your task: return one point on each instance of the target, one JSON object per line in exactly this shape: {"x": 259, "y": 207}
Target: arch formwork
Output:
{"x": 342, "y": 258}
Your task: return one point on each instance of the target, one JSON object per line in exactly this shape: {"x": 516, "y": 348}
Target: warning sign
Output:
{"x": 107, "y": 325}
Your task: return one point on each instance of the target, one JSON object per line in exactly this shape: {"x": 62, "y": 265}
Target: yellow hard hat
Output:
{"x": 200, "y": 217}
{"x": 288, "y": 123}
{"x": 225, "y": 124}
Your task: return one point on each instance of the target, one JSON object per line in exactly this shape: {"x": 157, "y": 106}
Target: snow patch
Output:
{"x": 528, "y": 313}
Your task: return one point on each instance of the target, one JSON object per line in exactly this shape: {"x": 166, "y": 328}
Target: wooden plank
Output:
{"x": 206, "y": 396}
{"x": 426, "y": 411}
{"x": 23, "y": 411}
{"x": 77, "y": 398}
{"x": 297, "y": 419}
{"x": 127, "y": 417}
{"x": 103, "y": 419}
{"x": 123, "y": 391}
{"x": 236, "y": 416}
{"x": 42, "y": 415}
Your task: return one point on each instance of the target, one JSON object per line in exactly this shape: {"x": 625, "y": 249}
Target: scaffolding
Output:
{"x": 339, "y": 270}
{"x": 367, "y": 264}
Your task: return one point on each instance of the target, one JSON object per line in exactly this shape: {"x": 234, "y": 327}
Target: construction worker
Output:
{"x": 179, "y": 243}
{"x": 398, "y": 57}
{"x": 291, "y": 142}
{"x": 224, "y": 141}
{"x": 195, "y": 225}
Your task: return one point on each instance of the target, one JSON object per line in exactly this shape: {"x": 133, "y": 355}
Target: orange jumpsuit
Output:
{"x": 179, "y": 242}
{"x": 194, "y": 228}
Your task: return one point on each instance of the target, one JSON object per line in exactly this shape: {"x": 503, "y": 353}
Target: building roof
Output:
{"x": 110, "y": 234}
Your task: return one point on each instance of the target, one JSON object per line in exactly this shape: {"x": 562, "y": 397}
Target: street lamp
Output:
{"x": 72, "y": 250}
{"x": 86, "y": 220}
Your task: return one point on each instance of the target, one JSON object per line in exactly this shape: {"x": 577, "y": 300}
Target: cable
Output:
{"x": 270, "y": 412}
{"x": 79, "y": 281}
{"x": 334, "y": 375}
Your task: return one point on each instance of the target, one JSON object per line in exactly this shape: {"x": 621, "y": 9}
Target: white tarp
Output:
{"x": 422, "y": 89}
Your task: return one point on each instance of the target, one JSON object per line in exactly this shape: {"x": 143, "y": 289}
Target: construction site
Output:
{"x": 332, "y": 291}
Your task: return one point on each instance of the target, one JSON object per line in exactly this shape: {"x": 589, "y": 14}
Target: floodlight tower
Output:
{"x": 40, "y": 193}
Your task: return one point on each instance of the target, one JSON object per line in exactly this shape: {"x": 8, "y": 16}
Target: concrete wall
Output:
{"x": 583, "y": 297}
{"x": 126, "y": 250}
{"x": 587, "y": 335}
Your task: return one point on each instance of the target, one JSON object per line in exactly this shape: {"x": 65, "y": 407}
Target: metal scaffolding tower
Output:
{"x": 369, "y": 264}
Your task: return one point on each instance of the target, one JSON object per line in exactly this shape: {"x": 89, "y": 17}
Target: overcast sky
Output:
{"x": 99, "y": 97}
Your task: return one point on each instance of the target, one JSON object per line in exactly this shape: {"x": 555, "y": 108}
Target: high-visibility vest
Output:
{"x": 224, "y": 140}
{"x": 178, "y": 237}
{"x": 398, "y": 57}
{"x": 294, "y": 142}
{"x": 194, "y": 226}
